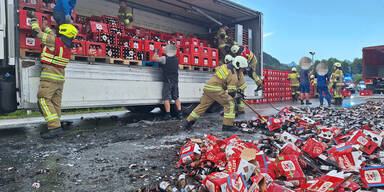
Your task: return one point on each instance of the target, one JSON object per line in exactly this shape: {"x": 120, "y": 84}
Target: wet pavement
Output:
{"x": 115, "y": 153}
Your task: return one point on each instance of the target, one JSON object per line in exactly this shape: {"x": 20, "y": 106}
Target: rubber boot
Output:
{"x": 167, "y": 116}
{"x": 188, "y": 125}
{"x": 308, "y": 103}
{"x": 229, "y": 128}
{"x": 50, "y": 134}
{"x": 302, "y": 102}
{"x": 180, "y": 115}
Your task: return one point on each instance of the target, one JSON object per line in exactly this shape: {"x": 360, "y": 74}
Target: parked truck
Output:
{"x": 373, "y": 68}
{"x": 90, "y": 85}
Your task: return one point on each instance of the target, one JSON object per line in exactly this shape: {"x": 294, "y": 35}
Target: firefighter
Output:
{"x": 125, "y": 16}
{"x": 241, "y": 85}
{"x": 224, "y": 43}
{"x": 295, "y": 83}
{"x": 55, "y": 56}
{"x": 314, "y": 84}
{"x": 252, "y": 63}
{"x": 337, "y": 83}
{"x": 222, "y": 88}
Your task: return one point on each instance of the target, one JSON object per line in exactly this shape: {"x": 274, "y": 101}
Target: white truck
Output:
{"x": 91, "y": 85}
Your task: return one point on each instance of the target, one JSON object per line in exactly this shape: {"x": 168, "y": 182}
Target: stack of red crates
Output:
{"x": 196, "y": 52}
{"x": 104, "y": 36}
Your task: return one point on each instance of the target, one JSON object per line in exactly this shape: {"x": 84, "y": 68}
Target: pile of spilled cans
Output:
{"x": 301, "y": 149}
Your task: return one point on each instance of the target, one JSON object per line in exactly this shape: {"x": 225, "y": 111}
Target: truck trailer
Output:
{"x": 96, "y": 84}
{"x": 373, "y": 68}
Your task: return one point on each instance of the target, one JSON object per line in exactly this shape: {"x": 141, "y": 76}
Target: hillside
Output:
{"x": 274, "y": 64}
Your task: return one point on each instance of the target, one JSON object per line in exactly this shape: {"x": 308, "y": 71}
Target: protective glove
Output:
{"x": 259, "y": 88}
{"x": 240, "y": 94}
{"x": 232, "y": 94}
{"x": 68, "y": 19}
{"x": 31, "y": 14}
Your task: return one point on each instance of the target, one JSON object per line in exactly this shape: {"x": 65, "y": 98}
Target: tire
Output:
{"x": 140, "y": 109}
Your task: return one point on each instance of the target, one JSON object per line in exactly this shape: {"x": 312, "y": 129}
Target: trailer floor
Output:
{"x": 118, "y": 153}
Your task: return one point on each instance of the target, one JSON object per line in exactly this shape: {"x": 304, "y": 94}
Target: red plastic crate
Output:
{"x": 78, "y": 47}
{"x": 128, "y": 53}
{"x": 82, "y": 19}
{"x": 214, "y": 53}
{"x": 149, "y": 45}
{"x": 136, "y": 43}
{"x": 113, "y": 51}
{"x": 184, "y": 59}
{"x": 197, "y": 60}
{"x": 95, "y": 18}
{"x": 206, "y": 52}
{"x": 214, "y": 63}
{"x": 123, "y": 40}
{"x": 45, "y": 7}
{"x": 81, "y": 37}
{"x": 25, "y": 22}
{"x": 111, "y": 20}
{"x": 116, "y": 29}
{"x": 193, "y": 49}
{"x": 79, "y": 27}
{"x": 104, "y": 38}
{"x": 27, "y": 41}
{"x": 28, "y": 4}
{"x": 178, "y": 42}
{"x": 194, "y": 41}
{"x": 179, "y": 35}
{"x": 95, "y": 49}
{"x": 206, "y": 62}
{"x": 95, "y": 27}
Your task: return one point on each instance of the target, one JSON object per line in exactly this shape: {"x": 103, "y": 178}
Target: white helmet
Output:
{"x": 337, "y": 64}
{"x": 235, "y": 49}
{"x": 312, "y": 76}
{"x": 294, "y": 69}
{"x": 240, "y": 62}
{"x": 227, "y": 59}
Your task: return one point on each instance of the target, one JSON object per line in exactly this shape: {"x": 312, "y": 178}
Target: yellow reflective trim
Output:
{"x": 52, "y": 76}
{"x": 213, "y": 88}
{"x": 229, "y": 115}
{"x": 45, "y": 107}
{"x": 243, "y": 86}
{"x": 231, "y": 107}
{"x": 194, "y": 115}
{"x": 241, "y": 104}
{"x": 51, "y": 117}
{"x": 46, "y": 59}
{"x": 230, "y": 87}
{"x": 44, "y": 39}
{"x": 61, "y": 52}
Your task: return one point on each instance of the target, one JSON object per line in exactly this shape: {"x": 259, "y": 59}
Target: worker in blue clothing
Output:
{"x": 63, "y": 10}
{"x": 322, "y": 87}
{"x": 305, "y": 87}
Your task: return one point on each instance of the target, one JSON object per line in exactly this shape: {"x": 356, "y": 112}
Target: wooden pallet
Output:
{"x": 116, "y": 60}
{"x": 185, "y": 67}
{"x": 133, "y": 62}
{"x": 79, "y": 58}
{"x": 200, "y": 68}
{"x": 29, "y": 53}
{"x": 98, "y": 59}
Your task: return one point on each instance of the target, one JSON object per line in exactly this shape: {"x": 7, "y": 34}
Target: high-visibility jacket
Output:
{"x": 294, "y": 78}
{"x": 225, "y": 78}
{"x": 337, "y": 77}
{"x": 59, "y": 57}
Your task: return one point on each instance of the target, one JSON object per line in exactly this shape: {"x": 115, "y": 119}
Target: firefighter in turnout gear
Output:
{"x": 295, "y": 83}
{"x": 241, "y": 85}
{"x": 314, "y": 84}
{"x": 125, "y": 16}
{"x": 222, "y": 88}
{"x": 54, "y": 58}
{"x": 238, "y": 50}
{"x": 337, "y": 83}
{"x": 224, "y": 43}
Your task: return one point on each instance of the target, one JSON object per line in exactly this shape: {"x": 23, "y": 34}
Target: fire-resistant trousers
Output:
{"x": 207, "y": 100}
{"x": 49, "y": 101}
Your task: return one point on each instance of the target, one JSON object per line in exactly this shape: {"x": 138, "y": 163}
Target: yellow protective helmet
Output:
{"x": 235, "y": 49}
{"x": 337, "y": 64}
{"x": 68, "y": 30}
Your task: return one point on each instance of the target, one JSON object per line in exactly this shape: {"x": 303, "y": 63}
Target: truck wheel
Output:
{"x": 140, "y": 109}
